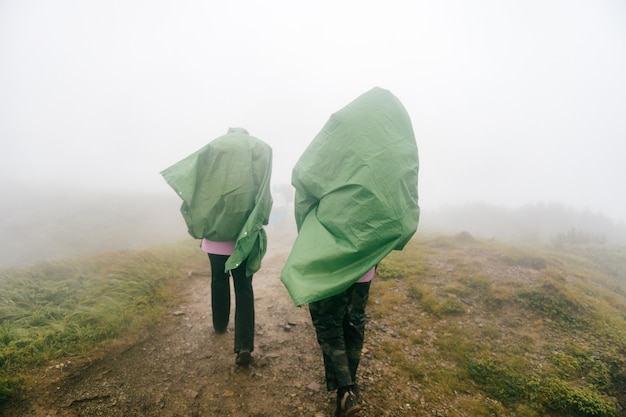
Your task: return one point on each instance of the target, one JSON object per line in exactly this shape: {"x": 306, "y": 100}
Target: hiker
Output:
{"x": 356, "y": 200}
{"x": 225, "y": 187}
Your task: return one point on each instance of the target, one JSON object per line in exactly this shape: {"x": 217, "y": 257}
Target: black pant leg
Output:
{"x": 220, "y": 292}
{"x": 244, "y": 309}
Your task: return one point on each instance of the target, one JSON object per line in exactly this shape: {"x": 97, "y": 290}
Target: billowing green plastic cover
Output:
{"x": 225, "y": 188}
{"x": 356, "y": 196}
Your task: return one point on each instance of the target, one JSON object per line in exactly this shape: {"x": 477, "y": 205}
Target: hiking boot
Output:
{"x": 347, "y": 404}
{"x": 243, "y": 357}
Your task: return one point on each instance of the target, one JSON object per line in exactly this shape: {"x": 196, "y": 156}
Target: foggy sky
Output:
{"x": 512, "y": 102}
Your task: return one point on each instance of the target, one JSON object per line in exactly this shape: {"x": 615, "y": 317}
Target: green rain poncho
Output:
{"x": 356, "y": 196}
{"x": 225, "y": 187}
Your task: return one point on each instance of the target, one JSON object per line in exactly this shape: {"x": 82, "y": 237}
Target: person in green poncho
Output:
{"x": 225, "y": 187}
{"x": 356, "y": 200}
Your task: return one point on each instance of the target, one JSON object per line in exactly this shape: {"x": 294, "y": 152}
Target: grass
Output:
{"x": 503, "y": 330}
{"x": 458, "y": 326}
{"x": 58, "y": 310}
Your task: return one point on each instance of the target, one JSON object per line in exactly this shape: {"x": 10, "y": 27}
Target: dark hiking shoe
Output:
{"x": 243, "y": 358}
{"x": 355, "y": 391}
{"x": 347, "y": 405}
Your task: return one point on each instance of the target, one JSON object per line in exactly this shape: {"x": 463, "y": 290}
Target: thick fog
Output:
{"x": 512, "y": 102}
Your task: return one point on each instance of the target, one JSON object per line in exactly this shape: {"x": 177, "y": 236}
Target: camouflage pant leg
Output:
{"x": 339, "y": 324}
{"x": 354, "y": 324}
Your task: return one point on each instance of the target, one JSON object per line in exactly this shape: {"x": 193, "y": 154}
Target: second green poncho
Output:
{"x": 356, "y": 196}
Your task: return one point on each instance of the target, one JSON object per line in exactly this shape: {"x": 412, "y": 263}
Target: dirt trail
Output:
{"x": 184, "y": 369}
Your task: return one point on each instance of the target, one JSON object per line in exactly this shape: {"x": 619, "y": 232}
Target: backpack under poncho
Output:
{"x": 356, "y": 196}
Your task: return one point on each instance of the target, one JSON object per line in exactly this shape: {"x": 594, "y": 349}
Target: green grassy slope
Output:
{"x": 482, "y": 328}
{"x": 54, "y": 310}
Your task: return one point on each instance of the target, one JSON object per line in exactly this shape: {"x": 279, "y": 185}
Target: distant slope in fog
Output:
{"x": 44, "y": 224}
{"x": 532, "y": 223}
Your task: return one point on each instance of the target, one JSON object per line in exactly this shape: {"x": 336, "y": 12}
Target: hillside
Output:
{"x": 44, "y": 224}
{"x": 456, "y": 327}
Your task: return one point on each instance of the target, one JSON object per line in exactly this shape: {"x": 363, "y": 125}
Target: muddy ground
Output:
{"x": 182, "y": 368}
